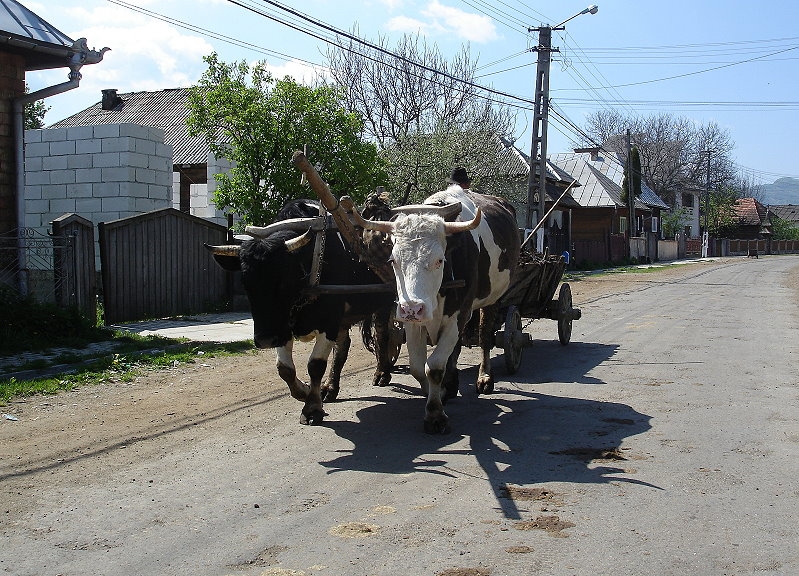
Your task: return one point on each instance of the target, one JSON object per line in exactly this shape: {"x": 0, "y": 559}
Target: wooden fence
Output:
{"x": 154, "y": 265}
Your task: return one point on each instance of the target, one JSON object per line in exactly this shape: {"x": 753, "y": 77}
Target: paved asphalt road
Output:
{"x": 662, "y": 441}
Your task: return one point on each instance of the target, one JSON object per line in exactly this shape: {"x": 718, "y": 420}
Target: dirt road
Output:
{"x": 662, "y": 440}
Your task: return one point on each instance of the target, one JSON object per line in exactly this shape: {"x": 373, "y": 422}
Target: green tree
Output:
{"x": 782, "y": 229}
{"x": 34, "y": 113}
{"x": 635, "y": 170}
{"x": 673, "y": 221}
{"x": 722, "y": 219}
{"x": 257, "y": 122}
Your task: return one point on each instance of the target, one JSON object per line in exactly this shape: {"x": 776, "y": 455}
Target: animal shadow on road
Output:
{"x": 518, "y": 436}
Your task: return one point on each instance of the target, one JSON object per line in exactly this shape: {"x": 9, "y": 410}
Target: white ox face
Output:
{"x": 418, "y": 261}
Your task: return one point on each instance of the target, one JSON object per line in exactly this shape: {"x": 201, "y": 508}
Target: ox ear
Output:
{"x": 296, "y": 243}
{"x": 455, "y": 227}
{"x": 226, "y": 256}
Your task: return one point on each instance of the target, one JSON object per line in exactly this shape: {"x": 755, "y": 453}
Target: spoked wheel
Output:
{"x": 565, "y": 314}
{"x": 513, "y": 340}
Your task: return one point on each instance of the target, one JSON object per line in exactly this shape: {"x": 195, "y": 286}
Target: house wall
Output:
{"x": 691, "y": 219}
{"x": 594, "y": 223}
{"x": 12, "y": 85}
{"x": 102, "y": 173}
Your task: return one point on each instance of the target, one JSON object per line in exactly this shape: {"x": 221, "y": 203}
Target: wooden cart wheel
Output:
{"x": 513, "y": 340}
{"x": 565, "y": 314}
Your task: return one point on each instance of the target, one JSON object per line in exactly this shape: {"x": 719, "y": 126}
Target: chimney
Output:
{"x": 593, "y": 150}
{"x": 110, "y": 99}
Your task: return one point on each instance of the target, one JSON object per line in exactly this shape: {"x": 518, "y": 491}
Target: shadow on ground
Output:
{"x": 517, "y": 435}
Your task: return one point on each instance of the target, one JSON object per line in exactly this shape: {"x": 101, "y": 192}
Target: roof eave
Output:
{"x": 38, "y": 55}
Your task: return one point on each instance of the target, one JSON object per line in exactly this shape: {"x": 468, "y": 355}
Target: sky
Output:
{"x": 735, "y": 63}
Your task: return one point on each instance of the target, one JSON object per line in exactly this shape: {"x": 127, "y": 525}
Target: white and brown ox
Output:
{"x": 482, "y": 249}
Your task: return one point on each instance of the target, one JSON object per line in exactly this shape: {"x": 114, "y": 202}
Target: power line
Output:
{"x": 692, "y": 73}
{"x": 211, "y": 33}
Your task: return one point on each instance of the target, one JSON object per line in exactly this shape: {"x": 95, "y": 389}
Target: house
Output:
{"x": 753, "y": 220}
{"x": 600, "y": 226}
{"x": 192, "y": 164}
{"x": 28, "y": 43}
{"x": 690, "y": 199}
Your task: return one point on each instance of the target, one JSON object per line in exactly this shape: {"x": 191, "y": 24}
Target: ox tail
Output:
{"x": 367, "y": 333}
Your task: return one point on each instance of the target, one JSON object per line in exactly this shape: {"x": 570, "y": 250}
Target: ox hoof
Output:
{"x": 439, "y": 425}
{"x": 312, "y": 417}
{"x": 329, "y": 394}
{"x": 485, "y": 385}
{"x": 382, "y": 379}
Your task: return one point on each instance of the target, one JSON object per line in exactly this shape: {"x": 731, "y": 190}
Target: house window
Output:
{"x": 654, "y": 224}
{"x": 622, "y": 225}
{"x": 688, "y": 200}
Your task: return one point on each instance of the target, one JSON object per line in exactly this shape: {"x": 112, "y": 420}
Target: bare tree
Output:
{"x": 424, "y": 113}
{"x": 673, "y": 149}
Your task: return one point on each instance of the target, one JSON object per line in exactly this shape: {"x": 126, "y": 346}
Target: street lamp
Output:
{"x": 538, "y": 148}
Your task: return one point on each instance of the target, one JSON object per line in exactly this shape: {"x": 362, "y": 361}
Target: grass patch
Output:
{"x": 119, "y": 367}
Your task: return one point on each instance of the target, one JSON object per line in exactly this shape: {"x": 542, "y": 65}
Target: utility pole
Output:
{"x": 631, "y": 228}
{"x": 706, "y": 233}
{"x": 538, "y": 148}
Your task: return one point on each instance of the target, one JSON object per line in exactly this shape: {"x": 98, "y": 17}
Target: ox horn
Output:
{"x": 378, "y": 225}
{"x": 225, "y": 250}
{"x": 296, "y": 243}
{"x": 295, "y": 224}
{"x": 455, "y": 227}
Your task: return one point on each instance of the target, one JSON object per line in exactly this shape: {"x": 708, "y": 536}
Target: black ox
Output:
{"x": 275, "y": 273}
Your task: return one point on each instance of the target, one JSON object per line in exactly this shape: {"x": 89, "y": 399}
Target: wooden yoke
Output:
{"x": 345, "y": 227}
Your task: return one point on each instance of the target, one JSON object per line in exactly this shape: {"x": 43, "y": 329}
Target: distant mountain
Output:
{"x": 782, "y": 191}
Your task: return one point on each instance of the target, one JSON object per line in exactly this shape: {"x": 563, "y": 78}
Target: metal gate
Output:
{"x": 52, "y": 268}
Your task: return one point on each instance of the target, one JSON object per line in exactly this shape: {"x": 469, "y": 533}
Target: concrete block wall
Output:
{"x": 103, "y": 173}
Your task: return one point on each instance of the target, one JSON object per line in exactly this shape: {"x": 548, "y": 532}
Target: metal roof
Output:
{"x": 42, "y": 44}
{"x": 165, "y": 109}
{"x": 601, "y": 179}
{"x": 556, "y": 179}
{"x": 789, "y": 212}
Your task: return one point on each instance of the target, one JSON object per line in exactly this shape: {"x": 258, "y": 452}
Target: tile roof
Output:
{"x": 165, "y": 109}
{"x": 750, "y": 212}
{"x": 601, "y": 180}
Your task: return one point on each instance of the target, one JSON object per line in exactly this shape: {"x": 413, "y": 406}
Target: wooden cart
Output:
{"x": 530, "y": 295}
